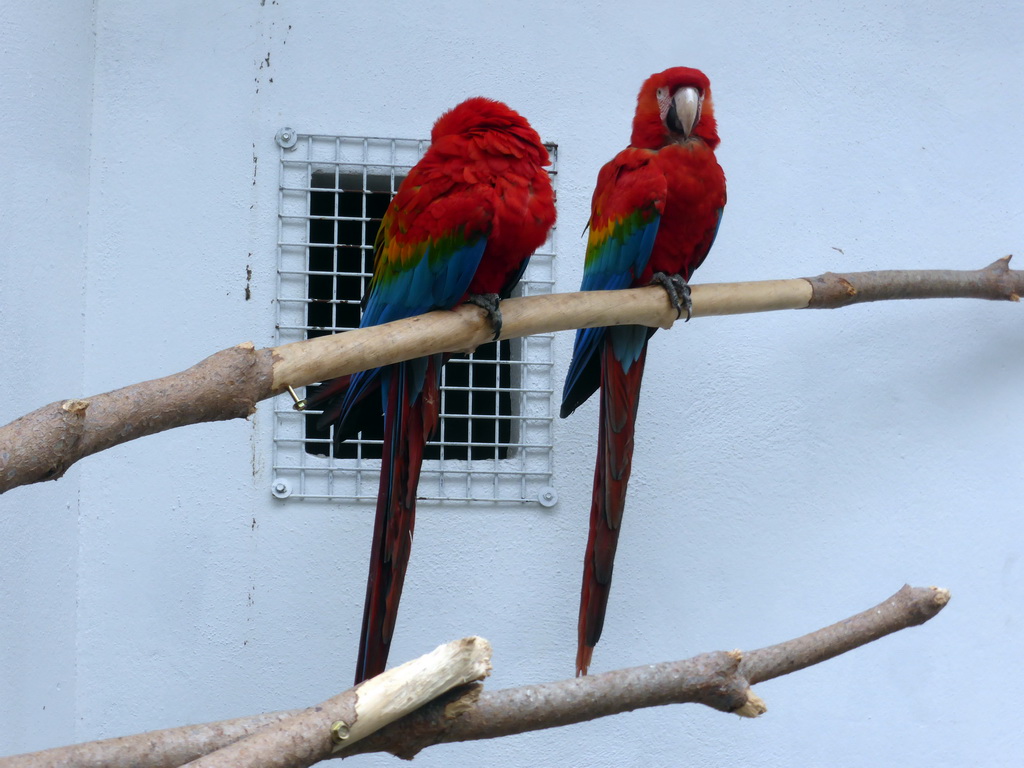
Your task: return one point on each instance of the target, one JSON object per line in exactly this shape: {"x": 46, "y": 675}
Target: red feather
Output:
{"x": 673, "y": 177}
{"x": 411, "y": 425}
{"x": 481, "y": 184}
{"x": 620, "y": 396}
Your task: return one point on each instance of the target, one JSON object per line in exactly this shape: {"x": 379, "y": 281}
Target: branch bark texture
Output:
{"x": 720, "y": 679}
{"x": 227, "y": 385}
{"x": 311, "y": 735}
{"x": 45, "y": 443}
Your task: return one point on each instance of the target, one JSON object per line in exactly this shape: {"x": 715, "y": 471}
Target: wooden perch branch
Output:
{"x": 314, "y": 733}
{"x": 227, "y": 385}
{"x": 288, "y": 739}
{"x": 720, "y": 680}
{"x": 43, "y": 444}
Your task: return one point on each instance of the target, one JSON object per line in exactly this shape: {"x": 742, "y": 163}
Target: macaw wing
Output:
{"x": 428, "y": 249}
{"x": 429, "y": 246}
{"x": 704, "y": 247}
{"x": 626, "y": 211}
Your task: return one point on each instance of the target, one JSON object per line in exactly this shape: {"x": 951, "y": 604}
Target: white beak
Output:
{"x": 686, "y": 105}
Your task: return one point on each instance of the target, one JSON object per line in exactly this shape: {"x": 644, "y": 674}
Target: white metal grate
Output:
{"x": 495, "y": 441}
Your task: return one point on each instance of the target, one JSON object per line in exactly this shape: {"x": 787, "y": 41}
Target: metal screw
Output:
{"x": 339, "y": 731}
{"x": 547, "y": 496}
{"x": 286, "y": 138}
{"x": 300, "y": 403}
{"x": 281, "y": 489}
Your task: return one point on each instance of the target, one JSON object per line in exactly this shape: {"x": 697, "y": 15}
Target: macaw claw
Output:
{"x": 678, "y": 292}
{"x": 489, "y": 302}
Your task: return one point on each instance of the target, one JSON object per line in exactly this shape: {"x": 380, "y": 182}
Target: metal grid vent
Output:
{"x": 496, "y": 405}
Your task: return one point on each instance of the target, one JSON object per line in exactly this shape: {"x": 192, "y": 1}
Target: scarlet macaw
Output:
{"x": 654, "y": 215}
{"x": 462, "y": 225}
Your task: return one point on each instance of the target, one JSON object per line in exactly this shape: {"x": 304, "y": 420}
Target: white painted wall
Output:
{"x": 818, "y": 459}
{"x": 46, "y": 92}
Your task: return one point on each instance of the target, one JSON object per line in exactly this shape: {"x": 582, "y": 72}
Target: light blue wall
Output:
{"x": 791, "y": 468}
{"x": 46, "y": 93}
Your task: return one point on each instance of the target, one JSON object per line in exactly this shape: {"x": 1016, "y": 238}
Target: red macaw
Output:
{"x": 462, "y": 225}
{"x": 654, "y": 216}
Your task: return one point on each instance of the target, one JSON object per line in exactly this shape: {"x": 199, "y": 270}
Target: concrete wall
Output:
{"x": 792, "y": 468}
{"x": 46, "y": 94}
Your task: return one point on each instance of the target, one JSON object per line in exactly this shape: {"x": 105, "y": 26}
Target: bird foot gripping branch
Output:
{"x": 678, "y": 291}
{"x": 489, "y": 303}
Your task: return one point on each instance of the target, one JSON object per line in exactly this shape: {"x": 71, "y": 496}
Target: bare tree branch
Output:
{"x": 43, "y": 444}
{"x": 227, "y": 385}
{"x": 720, "y": 680}
{"x": 313, "y": 734}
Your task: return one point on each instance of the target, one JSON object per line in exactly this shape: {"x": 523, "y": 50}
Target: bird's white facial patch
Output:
{"x": 664, "y": 102}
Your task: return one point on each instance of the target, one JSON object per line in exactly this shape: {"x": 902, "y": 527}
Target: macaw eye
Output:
{"x": 662, "y": 93}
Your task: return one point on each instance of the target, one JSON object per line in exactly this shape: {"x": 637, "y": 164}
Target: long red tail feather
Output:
{"x": 620, "y": 396}
{"x": 407, "y": 426}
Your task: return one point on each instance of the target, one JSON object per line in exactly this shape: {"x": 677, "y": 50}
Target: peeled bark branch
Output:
{"x": 720, "y": 680}
{"x": 311, "y": 735}
{"x": 227, "y": 385}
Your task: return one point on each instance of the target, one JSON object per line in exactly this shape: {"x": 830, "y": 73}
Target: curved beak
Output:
{"x": 685, "y": 110}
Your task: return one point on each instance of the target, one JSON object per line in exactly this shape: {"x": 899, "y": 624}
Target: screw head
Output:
{"x": 339, "y": 731}
{"x": 286, "y": 138}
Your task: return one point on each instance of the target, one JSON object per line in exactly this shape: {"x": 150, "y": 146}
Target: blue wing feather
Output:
{"x": 611, "y": 265}
{"x": 429, "y": 284}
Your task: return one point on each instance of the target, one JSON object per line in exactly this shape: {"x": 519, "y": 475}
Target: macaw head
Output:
{"x": 674, "y": 107}
{"x": 480, "y": 115}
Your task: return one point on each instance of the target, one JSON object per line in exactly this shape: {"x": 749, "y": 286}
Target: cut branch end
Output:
{"x": 755, "y": 706}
